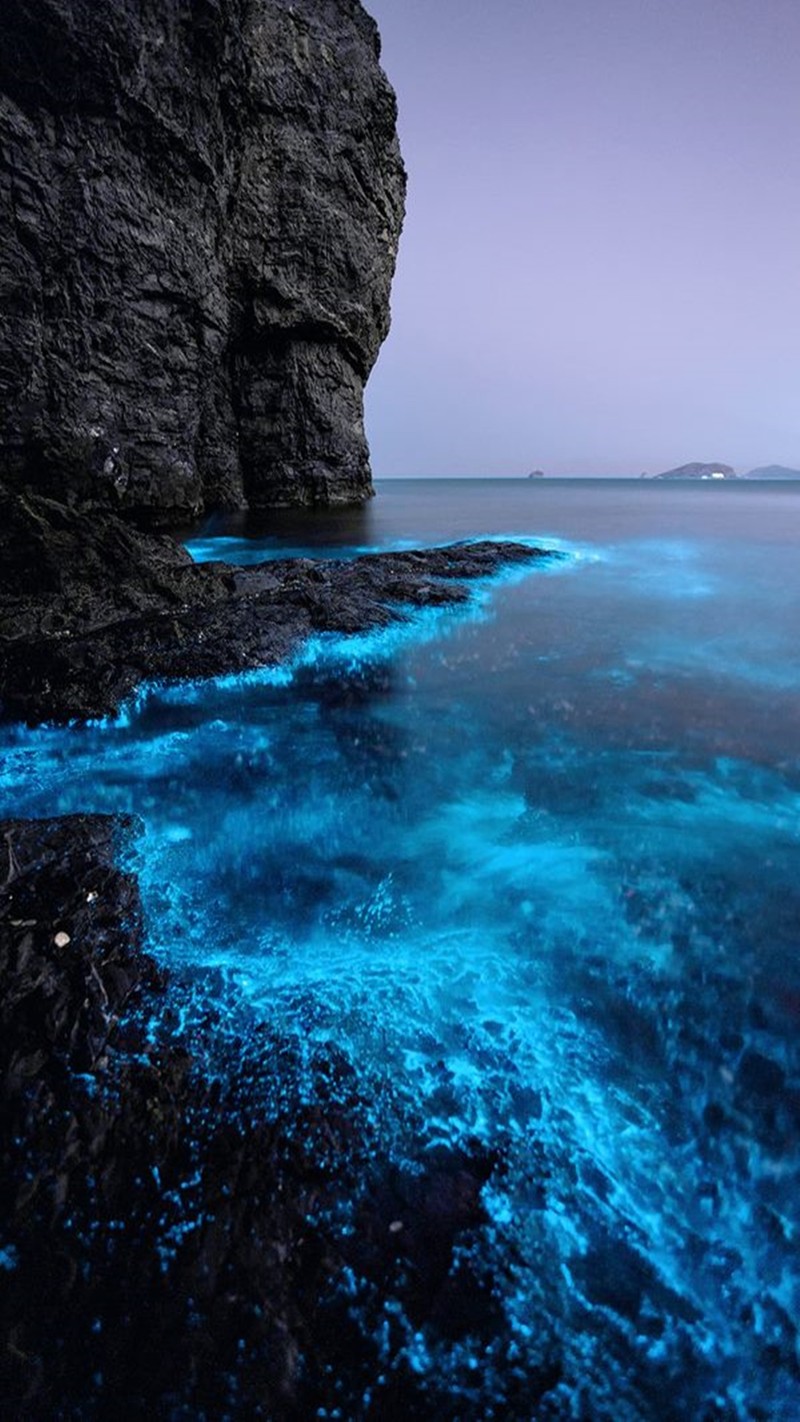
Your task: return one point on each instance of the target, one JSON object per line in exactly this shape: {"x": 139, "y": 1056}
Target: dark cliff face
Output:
{"x": 200, "y": 205}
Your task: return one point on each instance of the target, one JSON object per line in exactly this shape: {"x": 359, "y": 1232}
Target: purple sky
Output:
{"x": 600, "y": 270}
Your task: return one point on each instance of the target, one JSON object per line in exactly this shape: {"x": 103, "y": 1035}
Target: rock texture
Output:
{"x": 200, "y": 206}
{"x": 89, "y": 608}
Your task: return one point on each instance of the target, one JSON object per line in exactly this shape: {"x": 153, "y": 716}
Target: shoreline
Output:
{"x": 277, "y": 810}
{"x": 157, "y": 1151}
{"x": 90, "y": 608}
{"x": 161, "y": 1143}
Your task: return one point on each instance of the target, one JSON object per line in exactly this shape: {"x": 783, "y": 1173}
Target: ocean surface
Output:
{"x": 534, "y": 864}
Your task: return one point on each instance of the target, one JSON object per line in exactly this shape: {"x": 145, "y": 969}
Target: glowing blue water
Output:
{"x": 535, "y": 866}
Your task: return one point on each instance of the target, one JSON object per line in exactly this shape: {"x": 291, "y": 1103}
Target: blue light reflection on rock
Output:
{"x": 563, "y": 926}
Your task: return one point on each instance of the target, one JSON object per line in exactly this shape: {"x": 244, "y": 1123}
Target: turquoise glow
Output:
{"x": 533, "y": 864}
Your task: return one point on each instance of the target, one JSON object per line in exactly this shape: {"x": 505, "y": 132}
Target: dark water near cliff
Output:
{"x": 534, "y": 864}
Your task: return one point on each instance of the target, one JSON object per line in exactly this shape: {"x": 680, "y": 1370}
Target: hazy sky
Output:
{"x": 600, "y": 270}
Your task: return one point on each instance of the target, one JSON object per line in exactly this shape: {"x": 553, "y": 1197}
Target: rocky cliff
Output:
{"x": 200, "y": 206}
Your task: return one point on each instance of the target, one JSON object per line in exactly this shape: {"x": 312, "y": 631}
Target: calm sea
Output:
{"x": 534, "y": 865}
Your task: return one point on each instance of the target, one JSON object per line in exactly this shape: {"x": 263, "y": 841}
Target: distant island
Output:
{"x": 699, "y": 471}
{"x": 725, "y": 471}
{"x": 536, "y": 474}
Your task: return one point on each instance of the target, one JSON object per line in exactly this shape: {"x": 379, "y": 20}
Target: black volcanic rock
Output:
{"x": 698, "y": 471}
{"x": 200, "y": 208}
{"x": 90, "y": 607}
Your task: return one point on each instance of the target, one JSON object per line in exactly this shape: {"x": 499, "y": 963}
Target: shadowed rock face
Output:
{"x": 201, "y": 206}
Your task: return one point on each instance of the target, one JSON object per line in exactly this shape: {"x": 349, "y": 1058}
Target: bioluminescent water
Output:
{"x": 534, "y": 866}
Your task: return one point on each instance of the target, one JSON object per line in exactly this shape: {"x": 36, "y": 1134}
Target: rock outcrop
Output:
{"x": 90, "y": 608}
{"x": 200, "y": 207}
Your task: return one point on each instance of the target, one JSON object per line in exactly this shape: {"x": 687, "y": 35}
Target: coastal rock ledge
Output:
{"x": 92, "y": 608}
{"x": 201, "y": 206}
